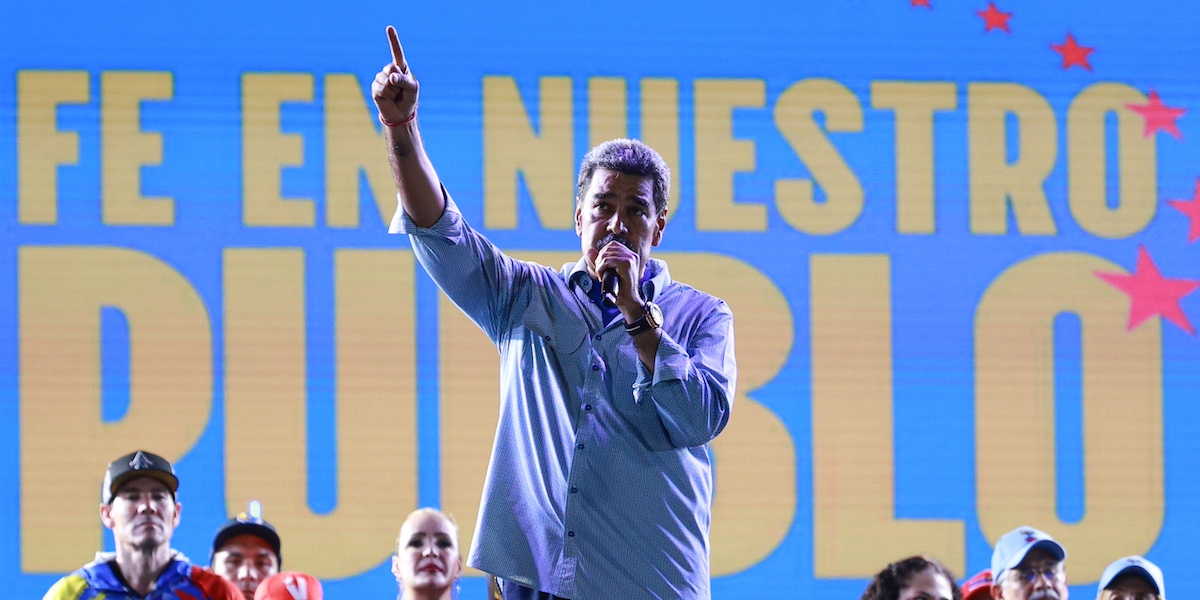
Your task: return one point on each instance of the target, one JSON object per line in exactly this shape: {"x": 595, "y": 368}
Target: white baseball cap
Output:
{"x": 1137, "y": 566}
{"x": 1012, "y": 547}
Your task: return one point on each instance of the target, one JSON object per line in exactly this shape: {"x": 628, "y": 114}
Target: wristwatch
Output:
{"x": 652, "y": 319}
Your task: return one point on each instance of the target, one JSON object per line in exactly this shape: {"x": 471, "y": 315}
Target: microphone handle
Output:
{"x": 610, "y": 286}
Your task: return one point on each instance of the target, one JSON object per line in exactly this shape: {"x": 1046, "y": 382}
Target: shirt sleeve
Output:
{"x": 479, "y": 278}
{"x": 67, "y": 588}
{"x": 692, "y": 388}
{"x": 215, "y": 587}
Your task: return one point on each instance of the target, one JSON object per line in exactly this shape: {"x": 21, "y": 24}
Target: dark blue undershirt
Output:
{"x": 595, "y": 292}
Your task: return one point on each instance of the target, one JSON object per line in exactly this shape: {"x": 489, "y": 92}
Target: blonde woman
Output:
{"x": 427, "y": 563}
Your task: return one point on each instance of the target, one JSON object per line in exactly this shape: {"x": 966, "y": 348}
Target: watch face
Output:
{"x": 654, "y": 314}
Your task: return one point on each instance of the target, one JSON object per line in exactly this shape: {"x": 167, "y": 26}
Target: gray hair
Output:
{"x": 630, "y": 157}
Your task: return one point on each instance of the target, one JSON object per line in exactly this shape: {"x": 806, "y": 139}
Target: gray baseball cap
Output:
{"x": 136, "y": 464}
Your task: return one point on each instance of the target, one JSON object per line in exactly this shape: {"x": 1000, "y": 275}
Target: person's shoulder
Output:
{"x": 531, "y": 269}
{"x": 214, "y": 586}
{"x": 85, "y": 581}
{"x": 70, "y": 587}
{"x": 699, "y": 300}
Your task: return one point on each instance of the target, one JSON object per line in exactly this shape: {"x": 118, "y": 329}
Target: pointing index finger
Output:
{"x": 397, "y": 51}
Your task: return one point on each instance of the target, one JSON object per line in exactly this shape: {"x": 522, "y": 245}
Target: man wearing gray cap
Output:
{"x": 1132, "y": 578}
{"x": 1027, "y": 564}
{"x": 137, "y": 502}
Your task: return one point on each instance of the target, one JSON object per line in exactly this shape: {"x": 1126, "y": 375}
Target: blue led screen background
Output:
{"x": 958, "y": 239}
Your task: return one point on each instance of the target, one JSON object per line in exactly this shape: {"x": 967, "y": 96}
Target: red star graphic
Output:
{"x": 1073, "y": 54}
{"x": 924, "y": 3}
{"x": 1191, "y": 208}
{"x": 993, "y": 18}
{"x": 1152, "y": 294}
{"x": 1158, "y": 116}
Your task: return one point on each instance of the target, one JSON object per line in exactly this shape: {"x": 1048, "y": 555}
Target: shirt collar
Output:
{"x": 577, "y": 276}
{"x": 106, "y": 575}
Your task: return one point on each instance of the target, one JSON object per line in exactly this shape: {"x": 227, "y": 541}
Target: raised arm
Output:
{"x": 395, "y": 93}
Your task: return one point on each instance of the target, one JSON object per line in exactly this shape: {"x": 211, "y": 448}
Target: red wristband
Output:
{"x": 401, "y": 123}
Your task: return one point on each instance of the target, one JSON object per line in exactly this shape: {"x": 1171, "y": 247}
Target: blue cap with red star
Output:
{"x": 1012, "y": 547}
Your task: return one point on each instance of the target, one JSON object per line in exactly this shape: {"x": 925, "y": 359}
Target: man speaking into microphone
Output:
{"x": 600, "y": 480}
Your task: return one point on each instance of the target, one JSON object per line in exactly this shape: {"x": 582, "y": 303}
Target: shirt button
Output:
{"x": 574, "y": 489}
{"x": 587, "y": 407}
{"x": 597, "y": 337}
{"x": 579, "y": 446}
{"x": 595, "y": 367}
{"x": 570, "y": 534}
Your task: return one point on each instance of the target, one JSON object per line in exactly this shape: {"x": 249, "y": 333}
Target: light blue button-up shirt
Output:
{"x": 600, "y": 482}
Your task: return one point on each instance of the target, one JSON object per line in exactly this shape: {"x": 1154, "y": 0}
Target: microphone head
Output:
{"x": 610, "y": 286}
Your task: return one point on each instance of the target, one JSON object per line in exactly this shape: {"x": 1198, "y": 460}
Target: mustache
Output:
{"x": 612, "y": 237}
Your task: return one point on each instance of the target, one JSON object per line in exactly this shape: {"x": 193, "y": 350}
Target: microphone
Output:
{"x": 610, "y": 283}
{"x": 610, "y": 286}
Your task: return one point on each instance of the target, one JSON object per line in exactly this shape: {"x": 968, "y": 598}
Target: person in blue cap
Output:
{"x": 1027, "y": 564}
{"x": 1132, "y": 578}
{"x": 246, "y": 550}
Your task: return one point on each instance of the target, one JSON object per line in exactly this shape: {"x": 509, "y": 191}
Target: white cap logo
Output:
{"x": 296, "y": 586}
{"x": 140, "y": 461}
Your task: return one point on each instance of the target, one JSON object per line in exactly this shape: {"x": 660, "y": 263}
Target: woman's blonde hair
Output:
{"x": 427, "y": 510}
